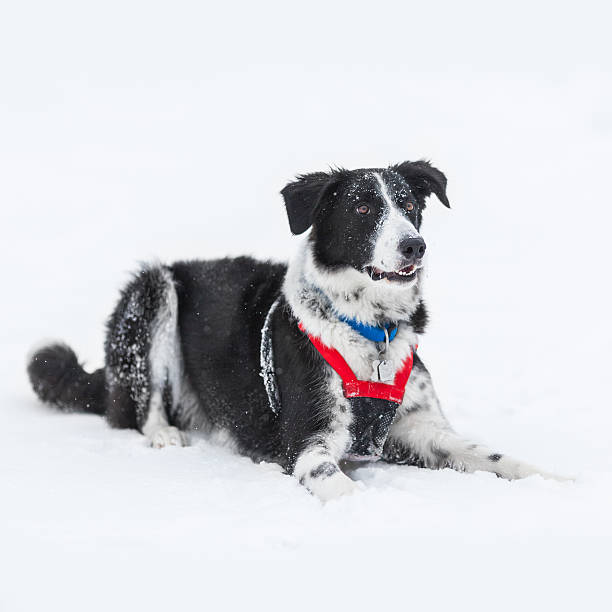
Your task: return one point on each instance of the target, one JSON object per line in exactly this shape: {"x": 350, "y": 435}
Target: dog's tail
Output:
{"x": 58, "y": 379}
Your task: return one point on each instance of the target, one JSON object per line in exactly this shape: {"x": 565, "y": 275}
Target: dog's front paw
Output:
{"x": 167, "y": 436}
{"x": 334, "y": 486}
{"x": 511, "y": 469}
{"x": 557, "y": 477}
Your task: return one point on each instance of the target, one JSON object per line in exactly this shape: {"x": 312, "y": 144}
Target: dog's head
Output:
{"x": 368, "y": 219}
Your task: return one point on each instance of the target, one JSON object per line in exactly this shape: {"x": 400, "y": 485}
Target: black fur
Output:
{"x": 304, "y": 194}
{"x": 301, "y": 382}
{"x": 419, "y": 318}
{"x": 59, "y": 379}
{"x": 340, "y": 236}
{"x": 328, "y": 202}
{"x": 221, "y": 308}
{"x": 128, "y": 341}
{"x": 424, "y": 180}
{"x": 324, "y": 470}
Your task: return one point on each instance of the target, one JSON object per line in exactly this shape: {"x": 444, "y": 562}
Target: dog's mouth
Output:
{"x": 407, "y": 274}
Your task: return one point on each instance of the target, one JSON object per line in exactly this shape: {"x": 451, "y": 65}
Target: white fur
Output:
{"x": 334, "y": 486}
{"x": 421, "y": 427}
{"x": 165, "y": 360}
{"x": 165, "y": 363}
{"x": 432, "y": 441}
{"x": 394, "y": 227}
{"x": 309, "y": 291}
{"x": 307, "y": 280}
{"x": 156, "y": 427}
{"x": 316, "y": 296}
{"x": 167, "y": 436}
{"x": 330, "y": 448}
{"x": 325, "y": 488}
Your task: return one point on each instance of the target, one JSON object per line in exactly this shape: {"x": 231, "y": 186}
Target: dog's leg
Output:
{"x": 421, "y": 435}
{"x": 425, "y": 438}
{"x": 318, "y": 470}
{"x": 321, "y": 441}
{"x": 156, "y": 427}
{"x": 144, "y": 359}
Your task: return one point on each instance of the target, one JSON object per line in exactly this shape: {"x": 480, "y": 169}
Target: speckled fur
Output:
{"x": 183, "y": 347}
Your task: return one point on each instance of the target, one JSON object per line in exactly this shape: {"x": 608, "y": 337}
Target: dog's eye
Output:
{"x": 409, "y": 206}
{"x": 363, "y": 209}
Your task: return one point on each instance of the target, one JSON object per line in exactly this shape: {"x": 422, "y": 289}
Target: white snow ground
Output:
{"x": 139, "y": 131}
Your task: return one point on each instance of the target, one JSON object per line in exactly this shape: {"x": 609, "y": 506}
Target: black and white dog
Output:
{"x": 308, "y": 364}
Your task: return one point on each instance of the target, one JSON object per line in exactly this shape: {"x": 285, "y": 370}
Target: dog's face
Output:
{"x": 366, "y": 219}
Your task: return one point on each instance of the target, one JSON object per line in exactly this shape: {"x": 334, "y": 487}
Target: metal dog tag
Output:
{"x": 383, "y": 368}
{"x": 384, "y": 371}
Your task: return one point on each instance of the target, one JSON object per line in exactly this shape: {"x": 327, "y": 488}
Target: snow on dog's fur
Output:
{"x": 183, "y": 345}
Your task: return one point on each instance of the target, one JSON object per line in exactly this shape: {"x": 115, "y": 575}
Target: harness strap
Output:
{"x": 353, "y": 387}
{"x": 266, "y": 359}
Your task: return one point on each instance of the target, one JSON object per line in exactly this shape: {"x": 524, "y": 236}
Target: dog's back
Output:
{"x": 222, "y": 308}
{"x": 184, "y": 338}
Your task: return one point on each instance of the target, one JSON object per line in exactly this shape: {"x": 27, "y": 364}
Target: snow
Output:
{"x": 147, "y": 131}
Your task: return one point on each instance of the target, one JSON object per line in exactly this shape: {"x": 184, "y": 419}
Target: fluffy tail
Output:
{"x": 58, "y": 379}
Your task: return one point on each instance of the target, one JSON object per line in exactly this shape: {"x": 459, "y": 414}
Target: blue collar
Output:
{"x": 375, "y": 334}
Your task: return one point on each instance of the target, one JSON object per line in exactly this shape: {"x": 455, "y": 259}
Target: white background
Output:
{"x": 132, "y": 131}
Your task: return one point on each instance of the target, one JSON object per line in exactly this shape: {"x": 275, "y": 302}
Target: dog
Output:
{"x": 310, "y": 365}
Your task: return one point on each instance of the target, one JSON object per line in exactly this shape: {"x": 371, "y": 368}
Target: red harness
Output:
{"x": 353, "y": 387}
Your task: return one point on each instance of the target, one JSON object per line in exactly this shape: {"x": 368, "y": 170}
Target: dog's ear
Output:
{"x": 424, "y": 179}
{"x": 301, "y": 199}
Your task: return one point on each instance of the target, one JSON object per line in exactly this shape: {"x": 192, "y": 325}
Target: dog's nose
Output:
{"x": 413, "y": 248}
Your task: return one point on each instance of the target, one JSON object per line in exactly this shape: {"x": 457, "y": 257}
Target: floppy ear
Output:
{"x": 301, "y": 199}
{"x": 424, "y": 179}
